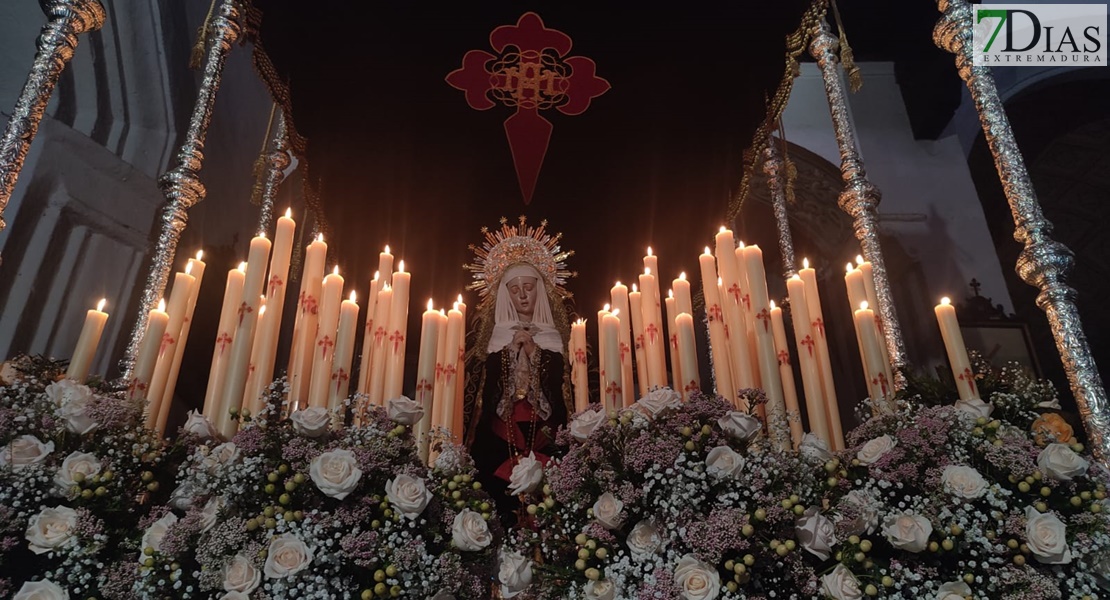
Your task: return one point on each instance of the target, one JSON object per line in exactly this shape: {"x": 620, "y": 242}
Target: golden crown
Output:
{"x": 515, "y": 244}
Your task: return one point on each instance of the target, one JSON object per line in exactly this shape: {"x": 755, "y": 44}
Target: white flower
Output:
{"x": 696, "y": 580}
{"x": 816, "y": 533}
{"x": 210, "y": 511}
{"x": 526, "y": 476}
{"x": 23, "y": 451}
{"x": 658, "y": 400}
{"x": 41, "y": 590}
{"x": 408, "y": 494}
{"x": 840, "y": 584}
{"x": 723, "y": 462}
{"x": 907, "y": 531}
{"x": 738, "y": 425}
{"x": 287, "y": 555}
{"x": 1046, "y": 537}
{"x": 225, "y": 454}
{"x": 152, "y": 538}
{"x": 1058, "y": 461}
{"x": 72, "y": 400}
{"x": 644, "y": 541}
{"x": 1053, "y": 404}
{"x": 335, "y": 473}
{"x": 866, "y": 510}
{"x": 514, "y": 573}
{"x": 963, "y": 482}
{"x": 183, "y": 495}
{"x": 815, "y": 449}
{"x": 953, "y": 590}
{"x": 975, "y": 407}
{"x": 873, "y": 450}
{"x": 77, "y": 467}
{"x": 404, "y": 410}
{"x": 198, "y": 425}
{"x": 311, "y": 422}
{"x": 51, "y": 529}
{"x": 470, "y": 531}
{"x": 241, "y": 576}
{"x": 607, "y": 510}
{"x": 585, "y": 424}
{"x": 235, "y": 596}
{"x": 600, "y": 590}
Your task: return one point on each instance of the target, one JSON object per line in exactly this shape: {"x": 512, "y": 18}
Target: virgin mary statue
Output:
{"x": 518, "y": 370}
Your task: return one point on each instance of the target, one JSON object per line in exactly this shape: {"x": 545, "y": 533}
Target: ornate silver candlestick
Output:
{"x": 860, "y": 197}
{"x": 181, "y": 185}
{"x": 775, "y": 168}
{"x": 1044, "y": 262}
{"x": 277, "y": 159}
{"x": 56, "y": 43}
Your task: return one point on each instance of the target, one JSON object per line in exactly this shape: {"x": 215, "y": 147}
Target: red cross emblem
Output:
{"x": 880, "y": 380}
{"x": 639, "y": 342}
{"x": 969, "y": 377}
{"x": 369, "y": 325}
{"x": 819, "y": 326}
{"x": 340, "y": 377}
{"x": 424, "y": 386}
{"x": 624, "y": 350}
{"x": 747, "y": 302}
{"x": 613, "y": 390}
{"x": 397, "y": 338}
{"x": 784, "y": 357}
{"x": 223, "y": 341}
{"x": 714, "y": 313}
{"x": 580, "y": 356}
{"x": 531, "y": 72}
{"x": 275, "y": 283}
{"x": 674, "y": 341}
{"x": 691, "y": 387}
{"x": 244, "y": 310}
{"x": 325, "y": 344}
{"x": 765, "y": 316}
{"x": 652, "y": 332}
{"x": 308, "y": 304}
{"x": 135, "y": 387}
{"x": 379, "y": 335}
{"x": 167, "y": 340}
{"x": 734, "y": 291}
{"x": 808, "y": 343}
{"x": 439, "y": 370}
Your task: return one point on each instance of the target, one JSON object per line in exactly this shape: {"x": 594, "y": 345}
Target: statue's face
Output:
{"x": 523, "y": 292}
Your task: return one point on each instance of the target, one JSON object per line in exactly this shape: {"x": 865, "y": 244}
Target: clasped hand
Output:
{"x": 522, "y": 340}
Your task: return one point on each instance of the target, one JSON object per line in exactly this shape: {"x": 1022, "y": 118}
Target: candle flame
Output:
{"x": 352, "y": 297}
{"x": 647, "y": 270}
{"x": 387, "y": 288}
{"x": 740, "y": 245}
{"x": 707, "y": 251}
{"x": 805, "y": 263}
{"x": 670, "y": 293}
{"x": 162, "y": 305}
{"x": 242, "y": 267}
{"x": 682, "y": 275}
{"x": 387, "y": 248}
{"x": 430, "y": 304}
{"x": 945, "y": 301}
{"x": 289, "y": 213}
{"x": 649, "y": 251}
{"x": 377, "y": 275}
{"x": 100, "y": 305}
{"x": 616, "y": 311}
{"x": 721, "y": 230}
{"x": 335, "y": 271}
{"x": 863, "y": 305}
{"x": 200, "y": 254}
{"x": 849, "y": 268}
{"x": 859, "y": 259}
{"x": 188, "y": 267}
{"x": 617, "y": 284}
{"x": 606, "y": 307}
{"x": 319, "y": 237}
{"x": 795, "y": 277}
{"x": 772, "y": 303}
{"x": 401, "y": 266}
{"x": 443, "y": 313}
{"x": 460, "y": 300}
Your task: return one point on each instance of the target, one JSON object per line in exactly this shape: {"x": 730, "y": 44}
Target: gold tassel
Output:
{"x": 196, "y": 56}
{"x": 847, "y": 57}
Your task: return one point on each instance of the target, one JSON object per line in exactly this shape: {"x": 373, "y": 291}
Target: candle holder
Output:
{"x": 1044, "y": 263}
{"x": 181, "y": 185}
{"x": 276, "y": 161}
{"x": 66, "y": 19}
{"x": 775, "y": 168}
{"x": 860, "y": 197}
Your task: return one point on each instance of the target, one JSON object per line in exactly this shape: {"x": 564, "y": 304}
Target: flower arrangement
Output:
{"x": 304, "y": 507}
{"x": 78, "y": 473}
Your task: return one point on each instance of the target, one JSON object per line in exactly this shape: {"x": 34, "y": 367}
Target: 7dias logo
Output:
{"x": 1033, "y": 35}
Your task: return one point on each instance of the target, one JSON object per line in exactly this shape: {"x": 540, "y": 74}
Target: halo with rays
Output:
{"x": 514, "y": 244}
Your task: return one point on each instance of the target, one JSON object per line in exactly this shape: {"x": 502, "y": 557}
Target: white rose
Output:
{"x": 198, "y": 425}
{"x": 1058, "y": 461}
{"x": 585, "y": 424}
{"x": 311, "y": 422}
{"x": 696, "y": 580}
{"x": 815, "y": 449}
{"x": 210, "y": 511}
{"x": 527, "y": 475}
{"x": 23, "y": 451}
{"x": 241, "y": 576}
{"x": 659, "y": 400}
{"x": 907, "y": 531}
{"x": 336, "y": 473}
{"x": 953, "y": 590}
{"x": 975, "y": 407}
{"x": 644, "y": 541}
{"x": 865, "y": 508}
{"x": 600, "y": 590}
{"x": 840, "y": 584}
{"x": 41, "y": 590}
{"x": 470, "y": 531}
{"x": 287, "y": 555}
{"x": 408, "y": 494}
{"x": 1047, "y": 538}
{"x": 235, "y": 596}
{"x": 404, "y": 410}
{"x": 514, "y": 572}
{"x": 738, "y": 425}
{"x": 816, "y": 533}
{"x": 963, "y": 482}
{"x": 723, "y": 462}
{"x": 51, "y": 529}
{"x": 183, "y": 495}
{"x": 225, "y": 454}
{"x": 152, "y": 538}
{"x": 607, "y": 511}
{"x": 72, "y": 400}
{"x": 77, "y": 467}
{"x": 873, "y": 450}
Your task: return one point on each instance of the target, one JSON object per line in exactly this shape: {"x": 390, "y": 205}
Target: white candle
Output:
{"x": 873, "y": 302}
{"x": 655, "y": 342}
{"x": 764, "y": 338}
{"x": 651, "y": 266}
{"x": 398, "y": 333}
{"x": 636, "y": 308}
{"x": 807, "y": 358}
{"x": 178, "y": 306}
{"x": 85, "y": 350}
{"x": 672, "y": 341}
{"x": 340, "y": 384}
{"x": 579, "y": 366}
{"x": 330, "y": 298}
{"x": 687, "y": 355}
{"x": 307, "y": 321}
{"x": 252, "y": 396}
{"x": 460, "y": 374}
{"x": 878, "y": 386}
{"x": 603, "y": 377}
{"x": 233, "y": 296}
{"x": 195, "y": 267}
{"x": 732, "y": 303}
{"x": 366, "y": 360}
{"x": 147, "y": 358}
{"x": 786, "y": 372}
{"x": 749, "y": 315}
{"x": 824, "y": 361}
{"x": 957, "y": 351}
{"x": 440, "y": 418}
{"x": 610, "y": 330}
{"x": 682, "y": 299}
{"x": 239, "y": 361}
{"x": 450, "y": 372}
{"x": 275, "y": 296}
{"x": 376, "y": 382}
{"x": 619, "y": 297}
{"x": 263, "y": 355}
{"x": 857, "y": 294}
{"x": 425, "y": 377}
{"x": 718, "y": 341}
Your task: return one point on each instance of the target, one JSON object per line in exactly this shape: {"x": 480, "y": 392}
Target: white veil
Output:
{"x": 507, "y": 322}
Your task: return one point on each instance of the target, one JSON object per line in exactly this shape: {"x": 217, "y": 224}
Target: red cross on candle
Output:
{"x": 135, "y": 386}
{"x": 423, "y": 386}
{"x": 692, "y": 386}
{"x": 969, "y": 377}
{"x": 308, "y": 304}
{"x": 747, "y": 302}
{"x": 275, "y": 283}
{"x": 808, "y": 343}
{"x": 639, "y": 342}
{"x": 369, "y": 326}
{"x": 325, "y": 344}
{"x": 735, "y": 292}
{"x": 580, "y": 356}
{"x": 674, "y": 341}
{"x": 379, "y": 335}
{"x": 244, "y": 310}
{"x": 397, "y": 338}
{"x": 167, "y": 340}
{"x": 612, "y": 390}
{"x": 714, "y": 313}
{"x": 449, "y": 371}
{"x": 340, "y": 377}
{"x": 652, "y": 332}
{"x": 439, "y": 370}
{"x": 223, "y": 341}
{"x": 819, "y": 326}
{"x": 624, "y": 350}
{"x": 784, "y": 357}
{"x": 765, "y": 316}
{"x": 880, "y": 380}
